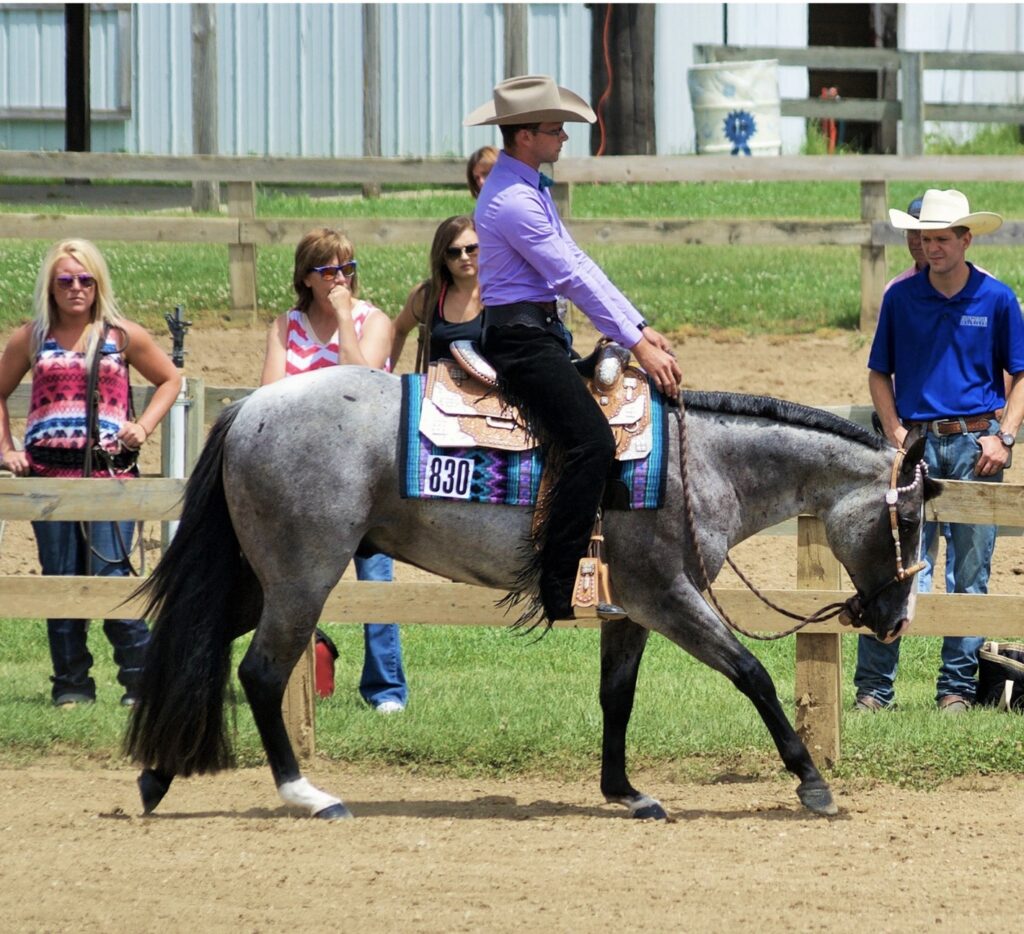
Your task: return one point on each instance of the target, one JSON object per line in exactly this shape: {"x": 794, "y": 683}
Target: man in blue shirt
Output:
{"x": 528, "y": 261}
{"x": 944, "y": 338}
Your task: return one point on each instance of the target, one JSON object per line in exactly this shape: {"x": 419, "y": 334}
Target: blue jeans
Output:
{"x": 383, "y": 677}
{"x": 62, "y": 551}
{"x": 929, "y": 556}
{"x": 949, "y": 457}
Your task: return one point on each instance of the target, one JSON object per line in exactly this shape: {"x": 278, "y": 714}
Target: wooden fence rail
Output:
{"x": 243, "y": 232}
{"x": 893, "y": 63}
{"x": 818, "y": 654}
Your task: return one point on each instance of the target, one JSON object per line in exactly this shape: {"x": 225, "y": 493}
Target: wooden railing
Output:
{"x": 243, "y": 232}
{"x": 910, "y": 66}
{"x": 819, "y": 676}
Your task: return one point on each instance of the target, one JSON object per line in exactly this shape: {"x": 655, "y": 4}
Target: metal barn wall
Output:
{"x": 682, "y": 26}
{"x": 291, "y": 74}
{"x": 983, "y": 27}
{"x": 32, "y": 74}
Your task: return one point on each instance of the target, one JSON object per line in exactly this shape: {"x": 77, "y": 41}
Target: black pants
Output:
{"x": 536, "y": 369}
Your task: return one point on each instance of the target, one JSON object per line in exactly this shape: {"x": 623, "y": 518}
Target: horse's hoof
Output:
{"x": 649, "y": 811}
{"x": 817, "y": 797}
{"x": 641, "y": 807}
{"x": 334, "y": 812}
{"x": 153, "y": 785}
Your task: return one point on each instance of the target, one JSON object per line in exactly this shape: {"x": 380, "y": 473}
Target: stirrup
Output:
{"x": 592, "y": 592}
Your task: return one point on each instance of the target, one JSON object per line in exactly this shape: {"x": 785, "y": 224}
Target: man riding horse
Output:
{"x": 527, "y": 261}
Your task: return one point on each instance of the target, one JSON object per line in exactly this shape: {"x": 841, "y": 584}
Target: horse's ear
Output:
{"x": 915, "y": 440}
{"x": 914, "y": 446}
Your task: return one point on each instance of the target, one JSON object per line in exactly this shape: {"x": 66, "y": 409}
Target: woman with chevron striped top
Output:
{"x": 331, "y": 326}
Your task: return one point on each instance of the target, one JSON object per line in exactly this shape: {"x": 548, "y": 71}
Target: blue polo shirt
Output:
{"x": 947, "y": 355}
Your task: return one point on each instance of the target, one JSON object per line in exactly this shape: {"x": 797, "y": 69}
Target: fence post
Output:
{"x": 819, "y": 669}
{"x": 298, "y": 706}
{"x": 912, "y": 110}
{"x": 561, "y": 194}
{"x": 242, "y": 256}
{"x": 873, "y": 271}
{"x": 195, "y": 421}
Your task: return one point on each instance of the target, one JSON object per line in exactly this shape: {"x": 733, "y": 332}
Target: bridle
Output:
{"x": 850, "y": 612}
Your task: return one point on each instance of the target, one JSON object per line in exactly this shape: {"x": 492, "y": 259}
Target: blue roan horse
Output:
{"x": 294, "y": 477}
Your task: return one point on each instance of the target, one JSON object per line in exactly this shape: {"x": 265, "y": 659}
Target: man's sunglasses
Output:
{"x": 84, "y": 280}
{"x": 454, "y": 252}
{"x": 330, "y": 273}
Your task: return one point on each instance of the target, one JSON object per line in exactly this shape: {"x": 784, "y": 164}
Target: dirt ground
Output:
{"x": 437, "y": 855}
{"x": 428, "y": 855}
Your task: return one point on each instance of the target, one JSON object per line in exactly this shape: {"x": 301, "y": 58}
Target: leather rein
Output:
{"x": 850, "y": 611}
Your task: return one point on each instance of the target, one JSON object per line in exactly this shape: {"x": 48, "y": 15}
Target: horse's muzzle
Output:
{"x": 852, "y": 614}
{"x": 902, "y": 627}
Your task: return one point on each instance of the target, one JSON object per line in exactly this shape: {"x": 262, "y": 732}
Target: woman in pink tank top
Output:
{"x": 331, "y": 326}
{"x": 77, "y": 322}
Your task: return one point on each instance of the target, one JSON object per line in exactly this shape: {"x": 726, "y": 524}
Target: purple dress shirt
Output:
{"x": 526, "y": 255}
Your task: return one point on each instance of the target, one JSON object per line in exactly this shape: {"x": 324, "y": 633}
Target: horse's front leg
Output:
{"x": 284, "y": 631}
{"x": 622, "y": 647}
{"x": 701, "y": 633}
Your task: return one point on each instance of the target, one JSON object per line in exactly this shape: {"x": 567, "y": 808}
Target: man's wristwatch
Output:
{"x": 1007, "y": 438}
{"x": 643, "y": 324}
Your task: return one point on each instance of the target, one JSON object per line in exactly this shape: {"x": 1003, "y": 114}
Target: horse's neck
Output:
{"x": 788, "y": 470}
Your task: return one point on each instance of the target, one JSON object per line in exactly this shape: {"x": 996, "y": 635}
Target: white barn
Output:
{"x": 290, "y": 75}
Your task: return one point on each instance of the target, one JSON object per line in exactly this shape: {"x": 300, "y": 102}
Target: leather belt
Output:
{"x": 962, "y": 424}
{"x": 529, "y": 314}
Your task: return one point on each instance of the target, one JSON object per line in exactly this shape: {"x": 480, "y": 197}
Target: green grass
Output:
{"x": 750, "y": 290}
{"x": 489, "y": 701}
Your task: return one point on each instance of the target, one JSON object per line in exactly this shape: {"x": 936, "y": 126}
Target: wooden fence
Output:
{"x": 243, "y": 232}
{"x": 819, "y": 678}
{"x": 910, "y": 66}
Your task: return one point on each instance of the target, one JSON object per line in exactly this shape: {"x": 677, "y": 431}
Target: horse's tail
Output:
{"x": 196, "y": 592}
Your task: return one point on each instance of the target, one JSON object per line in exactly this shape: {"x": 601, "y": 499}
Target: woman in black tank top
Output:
{"x": 446, "y": 307}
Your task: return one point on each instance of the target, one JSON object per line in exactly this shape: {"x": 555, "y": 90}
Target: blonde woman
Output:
{"x": 331, "y": 326}
{"x": 78, "y": 327}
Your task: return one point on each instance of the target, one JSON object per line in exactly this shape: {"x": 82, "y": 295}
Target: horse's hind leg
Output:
{"x": 285, "y": 628}
{"x": 622, "y": 647}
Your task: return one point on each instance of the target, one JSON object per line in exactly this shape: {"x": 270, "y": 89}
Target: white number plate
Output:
{"x": 449, "y": 476}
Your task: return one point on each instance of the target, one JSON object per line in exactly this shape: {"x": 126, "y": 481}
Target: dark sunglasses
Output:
{"x": 454, "y": 252}
{"x": 330, "y": 273}
{"x": 66, "y": 282}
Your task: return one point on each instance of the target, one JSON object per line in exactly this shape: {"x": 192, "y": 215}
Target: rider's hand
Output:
{"x": 654, "y": 353}
{"x": 16, "y": 462}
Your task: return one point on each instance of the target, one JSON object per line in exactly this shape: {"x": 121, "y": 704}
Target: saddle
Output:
{"x": 462, "y": 407}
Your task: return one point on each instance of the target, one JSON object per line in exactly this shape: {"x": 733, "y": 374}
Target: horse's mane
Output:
{"x": 779, "y": 410}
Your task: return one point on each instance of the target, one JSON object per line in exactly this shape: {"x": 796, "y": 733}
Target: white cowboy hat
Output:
{"x": 531, "y": 99}
{"x": 943, "y": 209}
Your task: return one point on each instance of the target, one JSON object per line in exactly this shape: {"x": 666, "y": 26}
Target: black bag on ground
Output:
{"x": 1001, "y": 676}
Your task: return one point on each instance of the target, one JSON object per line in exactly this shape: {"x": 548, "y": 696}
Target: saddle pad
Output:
{"x": 512, "y": 478}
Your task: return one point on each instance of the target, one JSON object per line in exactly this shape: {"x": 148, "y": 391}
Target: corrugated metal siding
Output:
{"x": 32, "y": 74}
{"x": 291, "y": 74}
{"x": 682, "y": 26}
{"x": 997, "y": 27}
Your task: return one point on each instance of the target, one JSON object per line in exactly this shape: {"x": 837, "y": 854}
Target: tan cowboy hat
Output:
{"x": 942, "y": 209}
{"x": 531, "y": 99}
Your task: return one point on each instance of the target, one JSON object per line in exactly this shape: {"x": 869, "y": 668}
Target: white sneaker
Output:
{"x": 389, "y": 706}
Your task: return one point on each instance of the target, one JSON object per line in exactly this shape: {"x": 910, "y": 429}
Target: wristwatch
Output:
{"x": 643, "y": 324}
{"x": 1007, "y": 438}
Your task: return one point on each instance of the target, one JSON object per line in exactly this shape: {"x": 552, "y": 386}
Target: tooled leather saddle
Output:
{"x": 462, "y": 407}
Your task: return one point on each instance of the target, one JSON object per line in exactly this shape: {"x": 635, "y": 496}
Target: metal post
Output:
{"x": 173, "y": 438}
